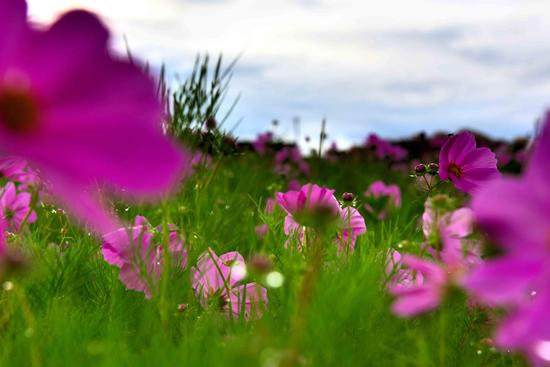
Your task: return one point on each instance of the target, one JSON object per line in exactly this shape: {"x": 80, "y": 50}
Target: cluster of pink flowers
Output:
{"x": 316, "y": 207}
{"x": 381, "y": 199}
{"x": 384, "y": 149}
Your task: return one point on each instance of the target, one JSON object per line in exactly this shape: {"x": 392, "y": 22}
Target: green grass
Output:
{"x": 70, "y": 309}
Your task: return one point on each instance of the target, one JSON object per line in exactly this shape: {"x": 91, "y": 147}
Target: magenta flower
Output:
{"x": 15, "y": 207}
{"x": 458, "y": 223}
{"x": 289, "y": 162}
{"x": 261, "y": 142}
{"x": 382, "y": 198}
{"x": 468, "y": 167}
{"x": 383, "y": 148}
{"x": 80, "y": 115}
{"x": 220, "y": 279}
{"x": 419, "y": 287}
{"x": 311, "y": 206}
{"x": 515, "y": 214}
{"x": 316, "y": 207}
{"x": 139, "y": 259}
{"x": 353, "y": 225}
{"x": 420, "y": 284}
{"x": 503, "y": 155}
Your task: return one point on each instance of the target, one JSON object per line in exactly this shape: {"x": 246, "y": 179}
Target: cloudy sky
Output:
{"x": 393, "y": 67}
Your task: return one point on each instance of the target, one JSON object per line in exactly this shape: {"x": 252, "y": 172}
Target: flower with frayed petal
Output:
{"x": 139, "y": 259}
{"x": 468, "y": 167}
{"x": 70, "y": 108}
{"x": 15, "y": 207}
{"x": 220, "y": 278}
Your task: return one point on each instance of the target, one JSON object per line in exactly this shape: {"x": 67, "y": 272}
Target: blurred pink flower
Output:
{"x": 219, "y": 278}
{"x": 503, "y": 155}
{"x": 515, "y": 214}
{"x": 353, "y": 225}
{"x": 466, "y": 166}
{"x": 289, "y": 162}
{"x": 261, "y": 142}
{"x": 139, "y": 259}
{"x": 314, "y": 206}
{"x": 261, "y": 230}
{"x": 420, "y": 284}
{"x": 15, "y": 207}
{"x": 459, "y": 222}
{"x": 384, "y": 149}
{"x": 382, "y": 198}
{"x": 80, "y": 115}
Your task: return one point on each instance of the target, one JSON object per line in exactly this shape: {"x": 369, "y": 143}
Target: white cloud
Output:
{"x": 395, "y": 66}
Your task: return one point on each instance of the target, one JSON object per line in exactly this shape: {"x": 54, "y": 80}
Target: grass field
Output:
{"x": 70, "y": 309}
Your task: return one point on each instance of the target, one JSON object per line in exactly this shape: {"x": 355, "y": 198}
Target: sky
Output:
{"x": 392, "y": 67}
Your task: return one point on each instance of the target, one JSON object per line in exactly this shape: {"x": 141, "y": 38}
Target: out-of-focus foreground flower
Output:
{"x": 515, "y": 213}
{"x": 82, "y": 116}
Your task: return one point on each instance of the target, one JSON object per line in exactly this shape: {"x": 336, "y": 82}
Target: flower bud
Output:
{"x": 420, "y": 169}
{"x": 348, "y": 197}
{"x": 433, "y": 168}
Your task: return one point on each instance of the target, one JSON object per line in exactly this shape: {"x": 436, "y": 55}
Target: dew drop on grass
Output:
{"x": 8, "y": 286}
{"x": 274, "y": 279}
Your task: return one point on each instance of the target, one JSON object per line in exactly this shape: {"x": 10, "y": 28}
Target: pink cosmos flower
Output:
{"x": 261, "y": 142}
{"x": 353, "y": 225}
{"x": 80, "y": 115}
{"x": 139, "y": 259}
{"x": 383, "y": 148}
{"x": 419, "y": 287}
{"x": 12, "y": 168}
{"x": 311, "y": 206}
{"x": 420, "y": 284}
{"x": 515, "y": 214}
{"x": 220, "y": 278}
{"x": 459, "y": 222}
{"x": 15, "y": 207}
{"x": 466, "y": 166}
{"x": 503, "y": 155}
{"x": 382, "y": 198}
{"x": 316, "y": 207}
{"x": 289, "y": 161}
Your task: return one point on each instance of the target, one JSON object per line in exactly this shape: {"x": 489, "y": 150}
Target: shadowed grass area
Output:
{"x": 70, "y": 309}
